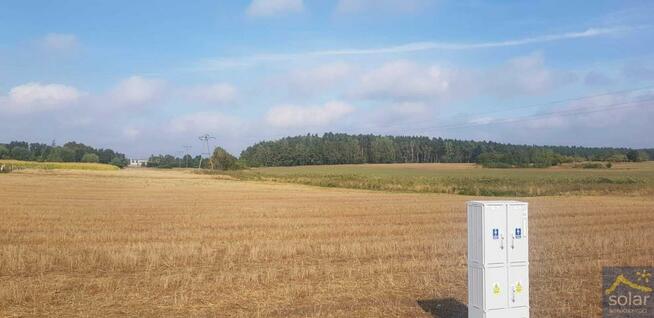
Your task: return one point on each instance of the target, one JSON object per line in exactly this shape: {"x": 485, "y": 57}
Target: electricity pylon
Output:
{"x": 205, "y": 138}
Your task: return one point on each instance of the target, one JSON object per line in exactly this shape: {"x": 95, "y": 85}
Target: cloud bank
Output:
{"x": 137, "y": 91}
{"x": 36, "y": 97}
{"x": 391, "y": 6}
{"x": 268, "y": 8}
{"x": 288, "y": 116}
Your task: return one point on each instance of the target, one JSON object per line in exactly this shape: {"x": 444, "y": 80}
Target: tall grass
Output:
{"x": 17, "y": 164}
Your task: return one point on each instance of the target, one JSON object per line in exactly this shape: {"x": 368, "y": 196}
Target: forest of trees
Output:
{"x": 69, "y": 152}
{"x": 333, "y": 148}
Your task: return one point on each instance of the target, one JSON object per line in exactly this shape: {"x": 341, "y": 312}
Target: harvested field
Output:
{"x": 172, "y": 243}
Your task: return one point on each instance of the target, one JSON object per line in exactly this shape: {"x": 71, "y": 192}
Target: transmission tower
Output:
{"x": 205, "y": 138}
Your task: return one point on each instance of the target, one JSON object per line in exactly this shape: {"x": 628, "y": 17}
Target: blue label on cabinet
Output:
{"x": 518, "y": 233}
{"x": 496, "y": 234}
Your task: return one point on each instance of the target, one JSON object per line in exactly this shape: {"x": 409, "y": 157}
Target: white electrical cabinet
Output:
{"x": 498, "y": 259}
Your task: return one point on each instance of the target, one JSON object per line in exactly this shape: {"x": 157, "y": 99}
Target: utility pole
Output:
{"x": 186, "y": 152}
{"x": 205, "y": 138}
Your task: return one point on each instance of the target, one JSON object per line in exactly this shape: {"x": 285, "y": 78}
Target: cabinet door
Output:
{"x": 519, "y": 286}
{"x": 496, "y": 291}
{"x": 495, "y": 234}
{"x": 518, "y": 245}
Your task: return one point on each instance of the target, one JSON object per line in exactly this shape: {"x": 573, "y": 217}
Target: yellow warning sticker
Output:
{"x": 518, "y": 288}
{"x": 496, "y": 289}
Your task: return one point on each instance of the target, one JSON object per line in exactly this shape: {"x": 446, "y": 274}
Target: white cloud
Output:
{"x": 295, "y": 116}
{"x": 217, "y": 93}
{"x": 60, "y": 42}
{"x": 408, "y": 81}
{"x": 409, "y": 108}
{"x": 393, "y": 118}
{"x": 36, "y": 93}
{"x": 137, "y": 90}
{"x": 245, "y": 61}
{"x": 484, "y": 120}
{"x": 37, "y": 97}
{"x": 525, "y": 75}
{"x": 405, "y": 80}
{"x": 205, "y": 122}
{"x": 392, "y": 6}
{"x": 131, "y": 132}
{"x": 317, "y": 79}
{"x": 266, "y": 8}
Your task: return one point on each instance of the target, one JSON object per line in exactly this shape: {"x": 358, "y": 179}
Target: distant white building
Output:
{"x": 138, "y": 162}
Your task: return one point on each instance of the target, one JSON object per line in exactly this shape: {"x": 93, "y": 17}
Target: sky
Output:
{"x": 148, "y": 77}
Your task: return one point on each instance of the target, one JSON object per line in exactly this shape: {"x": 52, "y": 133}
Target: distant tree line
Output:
{"x": 335, "y": 148}
{"x": 219, "y": 160}
{"x": 168, "y": 162}
{"x": 69, "y": 152}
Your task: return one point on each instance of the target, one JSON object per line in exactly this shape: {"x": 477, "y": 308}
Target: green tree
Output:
{"x": 632, "y": 155}
{"x": 383, "y": 150}
{"x": 20, "y": 153}
{"x": 643, "y": 156}
{"x": 4, "y": 152}
{"x": 61, "y": 154}
{"x": 118, "y": 162}
{"x": 223, "y": 160}
{"x": 106, "y": 155}
{"x": 39, "y": 151}
{"x": 90, "y": 157}
{"x": 78, "y": 149}
{"x": 18, "y": 144}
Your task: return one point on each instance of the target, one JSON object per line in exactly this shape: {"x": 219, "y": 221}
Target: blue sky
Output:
{"x": 150, "y": 76}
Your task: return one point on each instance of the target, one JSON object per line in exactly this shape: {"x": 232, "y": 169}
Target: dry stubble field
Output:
{"x": 171, "y": 243}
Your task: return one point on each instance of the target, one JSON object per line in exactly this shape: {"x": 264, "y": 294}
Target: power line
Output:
{"x": 572, "y": 99}
{"x": 565, "y": 113}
